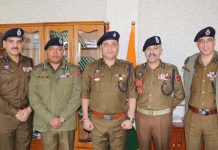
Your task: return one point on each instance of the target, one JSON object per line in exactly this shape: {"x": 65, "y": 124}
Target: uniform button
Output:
{"x": 202, "y": 104}
{"x": 205, "y": 68}
{"x": 202, "y": 92}
{"x": 203, "y": 81}
{"x": 149, "y": 106}
{"x": 150, "y": 95}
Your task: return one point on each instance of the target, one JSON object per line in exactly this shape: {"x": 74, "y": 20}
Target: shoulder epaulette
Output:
{"x": 124, "y": 61}
{"x": 39, "y": 66}
{"x": 4, "y": 59}
{"x": 186, "y": 60}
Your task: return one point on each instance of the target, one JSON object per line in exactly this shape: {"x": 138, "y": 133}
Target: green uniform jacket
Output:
{"x": 187, "y": 76}
{"x": 54, "y": 94}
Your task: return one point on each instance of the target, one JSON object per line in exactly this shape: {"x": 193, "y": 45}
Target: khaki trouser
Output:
{"x": 200, "y": 129}
{"x": 108, "y": 134}
{"x": 157, "y": 128}
{"x": 16, "y": 136}
{"x": 54, "y": 139}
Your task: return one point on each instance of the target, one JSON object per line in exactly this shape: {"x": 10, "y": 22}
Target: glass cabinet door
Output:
{"x": 86, "y": 51}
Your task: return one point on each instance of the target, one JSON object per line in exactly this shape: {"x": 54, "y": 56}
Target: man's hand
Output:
{"x": 126, "y": 125}
{"x": 56, "y": 123}
{"x": 23, "y": 114}
{"x": 87, "y": 124}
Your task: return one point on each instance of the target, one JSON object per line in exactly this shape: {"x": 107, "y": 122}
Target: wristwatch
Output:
{"x": 132, "y": 120}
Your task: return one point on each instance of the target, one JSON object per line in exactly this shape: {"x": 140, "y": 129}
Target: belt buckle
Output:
{"x": 150, "y": 112}
{"x": 204, "y": 112}
{"x": 108, "y": 117}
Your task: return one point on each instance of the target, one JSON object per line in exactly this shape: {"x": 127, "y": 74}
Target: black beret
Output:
{"x": 54, "y": 41}
{"x": 14, "y": 32}
{"x": 154, "y": 40}
{"x": 208, "y": 31}
{"x": 114, "y": 35}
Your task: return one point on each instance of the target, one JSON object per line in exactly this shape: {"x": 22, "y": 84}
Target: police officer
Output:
{"x": 15, "y": 123}
{"x": 200, "y": 73}
{"x": 54, "y": 92}
{"x": 159, "y": 89}
{"x": 108, "y": 89}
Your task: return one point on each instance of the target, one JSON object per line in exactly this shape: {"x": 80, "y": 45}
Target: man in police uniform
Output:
{"x": 108, "y": 89}
{"x": 200, "y": 83}
{"x": 15, "y": 123}
{"x": 54, "y": 92}
{"x": 160, "y": 89}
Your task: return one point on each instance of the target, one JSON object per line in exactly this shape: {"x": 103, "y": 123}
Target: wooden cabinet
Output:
{"x": 79, "y": 38}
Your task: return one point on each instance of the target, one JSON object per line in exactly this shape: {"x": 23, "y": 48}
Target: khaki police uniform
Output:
{"x": 201, "y": 102}
{"x": 159, "y": 91}
{"x": 14, "y": 78}
{"x": 108, "y": 89}
{"x": 55, "y": 93}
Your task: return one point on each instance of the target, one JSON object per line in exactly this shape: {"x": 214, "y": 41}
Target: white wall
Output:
{"x": 176, "y": 22}
{"x": 25, "y": 11}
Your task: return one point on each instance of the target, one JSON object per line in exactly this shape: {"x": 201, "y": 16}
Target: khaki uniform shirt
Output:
{"x": 203, "y": 93}
{"x": 54, "y": 93}
{"x": 14, "y": 84}
{"x": 149, "y": 83}
{"x": 108, "y": 88}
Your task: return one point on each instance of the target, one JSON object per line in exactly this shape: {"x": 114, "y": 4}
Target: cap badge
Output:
{"x": 114, "y": 35}
{"x": 19, "y": 32}
{"x": 207, "y": 32}
{"x": 60, "y": 41}
{"x": 157, "y": 40}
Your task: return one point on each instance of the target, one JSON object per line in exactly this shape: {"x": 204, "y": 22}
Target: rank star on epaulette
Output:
{"x": 178, "y": 78}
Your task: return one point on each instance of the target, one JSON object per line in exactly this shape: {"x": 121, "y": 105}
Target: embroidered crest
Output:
{"x": 178, "y": 78}
{"x": 19, "y": 32}
{"x": 157, "y": 40}
{"x": 60, "y": 41}
{"x": 207, "y": 32}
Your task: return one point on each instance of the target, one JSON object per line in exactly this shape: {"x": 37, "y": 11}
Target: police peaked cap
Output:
{"x": 208, "y": 31}
{"x": 54, "y": 42}
{"x": 154, "y": 40}
{"x": 14, "y": 32}
{"x": 112, "y": 35}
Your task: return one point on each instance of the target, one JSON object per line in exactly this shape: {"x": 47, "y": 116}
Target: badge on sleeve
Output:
{"x": 178, "y": 78}
{"x": 138, "y": 82}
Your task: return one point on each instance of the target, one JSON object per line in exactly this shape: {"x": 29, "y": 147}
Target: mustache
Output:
{"x": 152, "y": 55}
{"x": 16, "y": 48}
